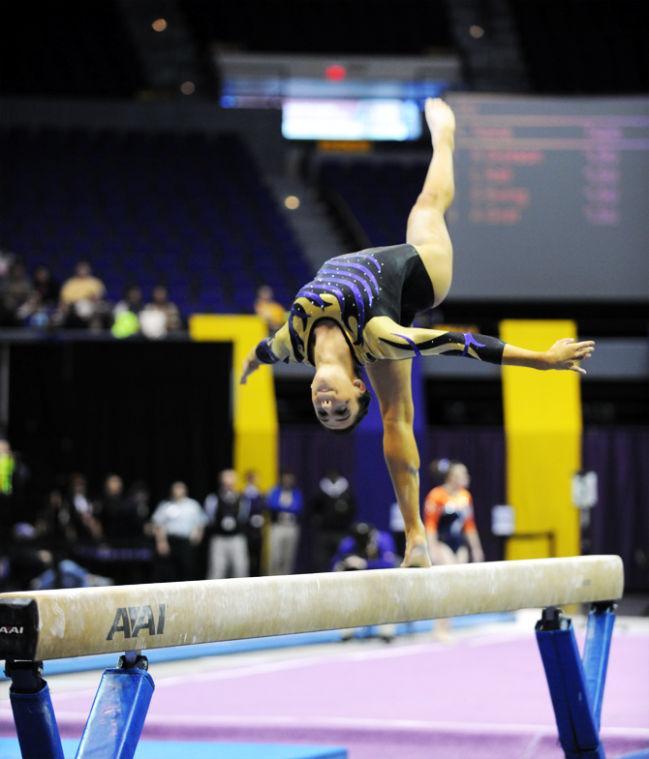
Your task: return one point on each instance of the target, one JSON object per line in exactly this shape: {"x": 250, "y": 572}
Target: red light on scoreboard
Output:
{"x": 335, "y": 72}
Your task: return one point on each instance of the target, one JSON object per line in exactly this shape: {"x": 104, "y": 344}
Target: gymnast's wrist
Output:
{"x": 545, "y": 361}
{"x": 514, "y": 356}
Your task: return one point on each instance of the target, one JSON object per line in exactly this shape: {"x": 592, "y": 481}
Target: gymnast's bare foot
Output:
{"x": 440, "y": 120}
{"x": 416, "y": 553}
{"x": 442, "y": 631}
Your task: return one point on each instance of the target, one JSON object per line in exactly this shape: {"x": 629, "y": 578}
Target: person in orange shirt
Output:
{"x": 448, "y": 516}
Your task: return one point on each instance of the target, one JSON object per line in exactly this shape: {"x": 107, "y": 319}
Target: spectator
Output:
{"x": 7, "y": 468}
{"x": 82, "y": 286}
{"x": 126, "y": 320}
{"x": 138, "y": 495}
{"x": 228, "y": 550}
{"x": 178, "y": 526}
{"x": 86, "y": 527}
{"x": 16, "y": 291}
{"x": 13, "y": 477}
{"x": 117, "y": 514}
{"x": 132, "y": 301}
{"x": 285, "y": 504}
{"x": 268, "y": 309}
{"x": 54, "y": 523}
{"x": 7, "y": 486}
{"x": 40, "y": 309}
{"x": 31, "y": 566}
{"x": 334, "y": 510}
{"x": 46, "y": 286}
{"x": 366, "y": 547}
{"x": 161, "y": 315}
{"x": 33, "y": 313}
{"x": 82, "y": 299}
{"x": 6, "y": 259}
{"x": 26, "y": 561}
{"x": 254, "y": 505}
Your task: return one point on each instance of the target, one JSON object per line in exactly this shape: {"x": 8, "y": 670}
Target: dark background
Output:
{"x": 146, "y": 411}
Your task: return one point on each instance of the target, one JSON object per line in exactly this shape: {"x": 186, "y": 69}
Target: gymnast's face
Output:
{"x": 335, "y": 397}
{"x": 458, "y": 476}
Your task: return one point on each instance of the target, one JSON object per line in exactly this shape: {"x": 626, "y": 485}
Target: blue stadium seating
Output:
{"x": 379, "y": 194}
{"x": 187, "y": 210}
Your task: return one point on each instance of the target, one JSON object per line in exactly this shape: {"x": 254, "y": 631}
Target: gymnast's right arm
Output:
{"x": 391, "y": 381}
{"x": 270, "y": 350}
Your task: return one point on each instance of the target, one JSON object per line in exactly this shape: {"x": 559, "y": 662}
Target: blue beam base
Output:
{"x": 38, "y": 733}
{"x": 599, "y": 632}
{"x": 576, "y": 689}
{"x": 117, "y": 715}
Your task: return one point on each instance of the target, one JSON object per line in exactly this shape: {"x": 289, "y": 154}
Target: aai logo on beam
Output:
{"x": 130, "y": 620}
{"x": 11, "y": 630}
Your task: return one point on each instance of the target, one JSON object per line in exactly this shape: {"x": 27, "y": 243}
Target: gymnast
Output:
{"x": 356, "y": 313}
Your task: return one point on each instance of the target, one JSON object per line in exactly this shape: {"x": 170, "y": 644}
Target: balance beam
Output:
{"x": 52, "y": 624}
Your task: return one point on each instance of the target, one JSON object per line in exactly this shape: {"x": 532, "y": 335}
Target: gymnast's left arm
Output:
{"x": 397, "y": 342}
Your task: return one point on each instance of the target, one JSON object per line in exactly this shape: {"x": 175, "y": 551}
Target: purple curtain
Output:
{"x": 308, "y": 451}
{"x": 620, "y": 521}
{"x": 619, "y": 455}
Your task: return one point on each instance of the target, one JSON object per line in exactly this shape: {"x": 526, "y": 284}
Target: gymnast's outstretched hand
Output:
{"x": 568, "y": 354}
{"x": 250, "y": 365}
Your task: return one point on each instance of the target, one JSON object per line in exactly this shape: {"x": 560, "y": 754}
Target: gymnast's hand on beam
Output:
{"x": 568, "y": 354}
{"x": 250, "y": 365}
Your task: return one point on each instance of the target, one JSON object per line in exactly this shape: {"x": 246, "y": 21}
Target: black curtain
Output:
{"x": 148, "y": 411}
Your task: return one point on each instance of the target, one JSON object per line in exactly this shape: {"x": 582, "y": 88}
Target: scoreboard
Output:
{"x": 552, "y": 198}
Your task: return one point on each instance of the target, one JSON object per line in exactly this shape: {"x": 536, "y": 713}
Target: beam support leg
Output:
{"x": 599, "y": 632}
{"x": 117, "y": 715}
{"x": 36, "y": 728}
{"x": 573, "y": 697}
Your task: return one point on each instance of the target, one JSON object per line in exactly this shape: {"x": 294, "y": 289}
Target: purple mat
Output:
{"x": 486, "y": 697}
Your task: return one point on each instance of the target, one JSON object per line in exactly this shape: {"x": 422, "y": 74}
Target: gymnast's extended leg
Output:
{"x": 426, "y": 228}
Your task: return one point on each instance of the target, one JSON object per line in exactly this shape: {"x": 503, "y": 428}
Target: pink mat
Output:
{"x": 485, "y": 696}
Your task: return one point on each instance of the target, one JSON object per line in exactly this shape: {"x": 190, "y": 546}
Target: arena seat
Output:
{"x": 379, "y": 195}
{"x": 188, "y": 210}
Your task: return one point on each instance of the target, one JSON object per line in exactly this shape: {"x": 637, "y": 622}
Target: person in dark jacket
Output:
{"x": 120, "y": 519}
{"x": 334, "y": 511}
{"x": 228, "y": 548}
{"x": 254, "y": 505}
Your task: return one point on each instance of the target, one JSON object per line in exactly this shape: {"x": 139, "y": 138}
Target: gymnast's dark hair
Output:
{"x": 363, "y": 407}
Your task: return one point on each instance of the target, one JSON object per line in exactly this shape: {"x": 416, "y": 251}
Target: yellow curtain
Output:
{"x": 543, "y": 433}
